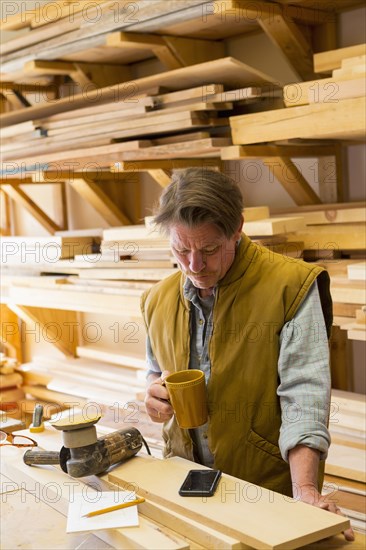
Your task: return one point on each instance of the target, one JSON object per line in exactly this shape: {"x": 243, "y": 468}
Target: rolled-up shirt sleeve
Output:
{"x": 304, "y": 374}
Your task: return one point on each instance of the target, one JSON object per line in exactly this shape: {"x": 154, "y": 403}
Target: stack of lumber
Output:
{"x": 59, "y": 380}
{"x": 332, "y": 231}
{"x": 88, "y": 135}
{"x": 345, "y": 467}
{"x": 330, "y": 108}
{"x": 24, "y": 250}
{"x": 226, "y": 71}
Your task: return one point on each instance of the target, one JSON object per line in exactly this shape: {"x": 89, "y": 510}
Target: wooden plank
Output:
{"x": 357, "y": 271}
{"x": 337, "y": 212}
{"x": 327, "y": 90}
{"x": 287, "y": 524}
{"x": 126, "y": 274}
{"x": 328, "y": 61}
{"x": 198, "y": 532}
{"x": 254, "y": 213}
{"x": 205, "y": 92}
{"x": 347, "y": 292}
{"x": 209, "y": 147}
{"x": 291, "y": 178}
{"x": 22, "y": 199}
{"x": 237, "y": 152}
{"x": 95, "y": 196}
{"x": 106, "y": 355}
{"x": 73, "y": 300}
{"x": 174, "y": 164}
{"x": 337, "y": 237}
{"x": 273, "y": 226}
{"x": 226, "y": 71}
{"x": 343, "y": 120}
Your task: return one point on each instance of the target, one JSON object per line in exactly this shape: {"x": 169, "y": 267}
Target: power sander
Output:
{"x": 83, "y": 453}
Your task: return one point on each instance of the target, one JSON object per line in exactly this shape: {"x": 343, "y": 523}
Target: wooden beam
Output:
{"x": 189, "y": 51}
{"x": 162, "y": 177}
{"x": 93, "y": 194}
{"x": 331, "y": 174}
{"x": 5, "y": 228}
{"x": 325, "y": 62}
{"x": 292, "y": 180}
{"x": 51, "y": 325}
{"x": 286, "y": 34}
{"x": 65, "y": 221}
{"x": 21, "y": 198}
{"x": 340, "y": 371}
{"x": 150, "y": 42}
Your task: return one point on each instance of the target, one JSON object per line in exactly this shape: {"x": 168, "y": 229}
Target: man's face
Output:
{"x": 203, "y": 253}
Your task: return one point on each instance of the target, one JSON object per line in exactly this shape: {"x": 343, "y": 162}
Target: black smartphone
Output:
{"x": 200, "y": 483}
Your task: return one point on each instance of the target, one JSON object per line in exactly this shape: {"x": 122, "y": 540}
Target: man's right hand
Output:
{"x": 157, "y": 399}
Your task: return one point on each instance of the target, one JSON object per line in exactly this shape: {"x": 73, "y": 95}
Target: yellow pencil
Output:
{"x": 116, "y": 507}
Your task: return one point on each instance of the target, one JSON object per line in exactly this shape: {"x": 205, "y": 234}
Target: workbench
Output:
{"x": 35, "y": 502}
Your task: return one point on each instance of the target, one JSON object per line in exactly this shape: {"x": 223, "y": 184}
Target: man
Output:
{"x": 257, "y": 324}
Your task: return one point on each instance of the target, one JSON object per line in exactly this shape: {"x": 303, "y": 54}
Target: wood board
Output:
{"x": 342, "y": 120}
{"x": 288, "y": 523}
{"x": 332, "y": 59}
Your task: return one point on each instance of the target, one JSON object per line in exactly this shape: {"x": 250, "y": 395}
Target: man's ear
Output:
{"x": 240, "y": 228}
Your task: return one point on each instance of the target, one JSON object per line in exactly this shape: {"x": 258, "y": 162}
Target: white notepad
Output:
{"x": 84, "y": 502}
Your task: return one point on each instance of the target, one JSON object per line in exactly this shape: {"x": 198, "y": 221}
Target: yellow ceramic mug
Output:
{"x": 187, "y": 393}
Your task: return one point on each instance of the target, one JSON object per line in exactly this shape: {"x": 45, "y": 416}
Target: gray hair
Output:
{"x": 200, "y": 195}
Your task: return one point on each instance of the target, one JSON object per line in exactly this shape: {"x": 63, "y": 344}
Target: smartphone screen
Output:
{"x": 200, "y": 483}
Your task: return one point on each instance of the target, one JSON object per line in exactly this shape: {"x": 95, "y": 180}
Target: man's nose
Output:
{"x": 196, "y": 262}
